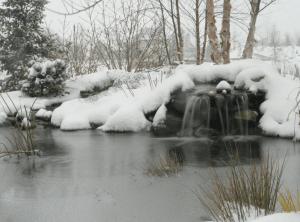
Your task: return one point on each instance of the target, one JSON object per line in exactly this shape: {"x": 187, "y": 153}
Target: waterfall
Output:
{"x": 219, "y": 103}
{"x": 230, "y": 115}
{"x": 245, "y": 107}
{"x": 187, "y": 115}
{"x": 197, "y": 114}
{"x": 243, "y": 112}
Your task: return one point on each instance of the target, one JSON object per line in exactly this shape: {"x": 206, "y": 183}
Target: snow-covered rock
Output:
{"x": 47, "y": 115}
{"x": 40, "y": 113}
{"x": 24, "y": 113}
{"x": 160, "y": 115}
{"x": 223, "y": 85}
{"x": 25, "y": 123}
{"x": 3, "y": 117}
{"x": 252, "y": 80}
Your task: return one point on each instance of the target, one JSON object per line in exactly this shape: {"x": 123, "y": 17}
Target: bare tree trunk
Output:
{"x": 225, "y": 32}
{"x": 164, "y": 31}
{"x": 179, "y": 32}
{"x": 216, "y": 53}
{"x": 198, "y": 33}
{"x": 248, "y": 51}
{"x": 204, "y": 41}
{"x": 175, "y": 29}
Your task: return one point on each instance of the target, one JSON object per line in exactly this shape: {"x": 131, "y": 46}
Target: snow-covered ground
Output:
{"x": 280, "y": 217}
{"x": 286, "y": 58}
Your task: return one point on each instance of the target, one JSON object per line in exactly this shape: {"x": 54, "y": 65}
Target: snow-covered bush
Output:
{"x": 22, "y": 38}
{"x": 45, "y": 78}
{"x": 120, "y": 77}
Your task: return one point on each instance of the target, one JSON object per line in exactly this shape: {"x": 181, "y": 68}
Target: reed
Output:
{"x": 245, "y": 188}
{"x": 20, "y": 141}
{"x": 164, "y": 165}
{"x": 288, "y": 202}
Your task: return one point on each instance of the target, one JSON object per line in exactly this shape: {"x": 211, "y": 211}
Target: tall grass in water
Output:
{"x": 164, "y": 165}
{"x": 288, "y": 202}
{"x": 245, "y": 188}
{"x": 21, "y": 141}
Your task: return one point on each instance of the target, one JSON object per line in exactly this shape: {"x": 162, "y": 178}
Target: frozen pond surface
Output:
{"x": 93, "y": 176}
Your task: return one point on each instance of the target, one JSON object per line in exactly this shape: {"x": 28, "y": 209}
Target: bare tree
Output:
{"x": 216, "y": 52}
{"x": 179, "y": 31}
{"x": 274, "y": 37}
{"x": 204, "y": 40}
{"x": 287, "y": 40}
{"x": 225, "y": 32}
{"x": 76, "y": 8}
{"x": 256, "y": 6}
{"x": 164, "y": 30}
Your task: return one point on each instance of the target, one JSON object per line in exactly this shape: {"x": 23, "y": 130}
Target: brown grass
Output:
{"x": 21, "y": 141}
{"x": 244, "y": 187}
{"x": 288, "y": 202}
{"x": 164, "y": 165}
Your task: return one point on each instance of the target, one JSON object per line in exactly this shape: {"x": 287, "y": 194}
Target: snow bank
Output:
{"x": 116, "y": 112}
{"x": 17, "y": 100}
{"x": 279, "y": 217}
{"x": 119, "y": 110}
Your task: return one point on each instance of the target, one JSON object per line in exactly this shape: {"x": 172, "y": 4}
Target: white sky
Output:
{"x": 285, "y": 14}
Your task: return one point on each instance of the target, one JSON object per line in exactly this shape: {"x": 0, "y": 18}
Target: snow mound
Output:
{"x": 251, "y": 80}
{"x": 223, "y": 85}
{"x": 47, "y": 115}
{"x": 280, "y": 217}
{"x": 40, "y": 113}
{"x": 24, "y": 113}
{"x": 3, "y": 116}
{"x": 160, "y": 115}
{"x": 17, "y": 100}
{"x": 25, "y": 122}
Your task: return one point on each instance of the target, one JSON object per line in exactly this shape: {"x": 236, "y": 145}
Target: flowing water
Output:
{"x": 198, "y": 111}
{"x": 94, "y": 176}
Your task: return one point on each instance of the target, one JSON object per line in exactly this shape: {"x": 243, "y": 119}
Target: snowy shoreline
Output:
{"x": 116, "y": 111}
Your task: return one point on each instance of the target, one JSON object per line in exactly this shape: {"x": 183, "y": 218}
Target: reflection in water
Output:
{"x": 206, "y": 152}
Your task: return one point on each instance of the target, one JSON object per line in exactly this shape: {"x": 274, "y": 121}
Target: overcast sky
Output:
{"x": 285, "y": 14}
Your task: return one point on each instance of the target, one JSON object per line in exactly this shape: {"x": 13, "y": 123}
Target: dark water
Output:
{"x": 93, "y": 176}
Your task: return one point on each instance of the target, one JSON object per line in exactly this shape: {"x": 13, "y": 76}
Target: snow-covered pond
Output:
{"x": 94, "y": 176}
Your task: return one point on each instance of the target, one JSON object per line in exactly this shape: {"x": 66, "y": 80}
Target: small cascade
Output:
{"x": 210, "y": 114}
{"x": 197, "y": 114}
{"x": 229, "y": 112}
{"x": 220, "y": 104}
{"x": 242, "y": 104}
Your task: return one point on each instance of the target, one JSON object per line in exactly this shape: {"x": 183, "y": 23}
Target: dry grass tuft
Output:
{"x": 287, "y": 201}
{"x": 244, "y": 189}
{"x": 21, "y": 141}
{"x": 164, "y": 165}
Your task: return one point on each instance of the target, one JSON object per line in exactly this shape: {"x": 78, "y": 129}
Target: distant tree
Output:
{"x": 287, "y": 40}
{"x": 21, "y": 38}
{"x": 274, "y": 37}
{"x": 256, "y": 7}
{"x": 298, "y": 41}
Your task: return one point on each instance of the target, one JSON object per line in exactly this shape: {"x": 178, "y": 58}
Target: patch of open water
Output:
{"x": 94, "y": 176}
